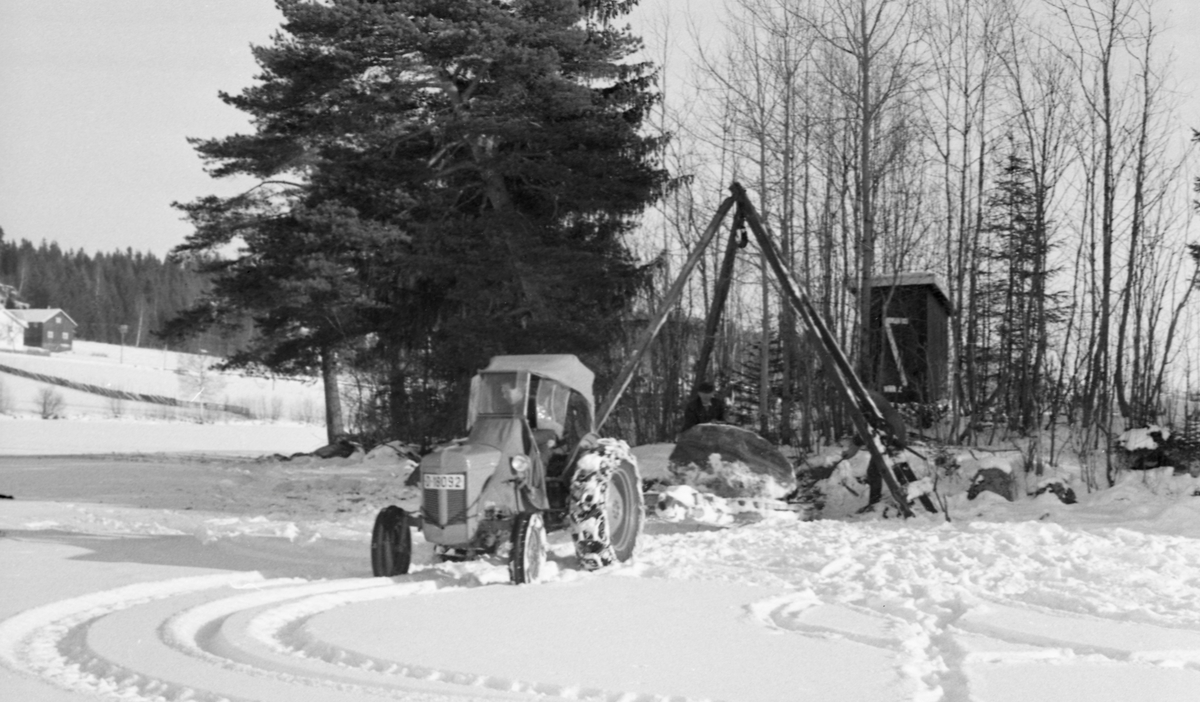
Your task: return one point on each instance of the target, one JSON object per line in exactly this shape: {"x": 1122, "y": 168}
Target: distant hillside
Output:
{"x": 101, "y": 292}
{"x": 184, "y": 384}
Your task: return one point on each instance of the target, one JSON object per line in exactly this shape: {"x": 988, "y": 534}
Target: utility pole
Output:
{"x": 124, "y": 329}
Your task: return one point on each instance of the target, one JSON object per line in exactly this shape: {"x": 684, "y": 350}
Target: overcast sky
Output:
{"x": 97, "y": 98}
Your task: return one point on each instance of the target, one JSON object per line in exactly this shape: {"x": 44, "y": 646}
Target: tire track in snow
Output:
{"x": 242, "y": 637}
{"x": 806, "y": 613}
{"x": 50, "y": 641}
{"x": 933, "y": 583}
{"x": 133, "y": 643}
{"x": 285, "y": 631}
{"x": 942, "y": 600}
{"x": 129, "y": 638}
{"x": 1080, "y": 635}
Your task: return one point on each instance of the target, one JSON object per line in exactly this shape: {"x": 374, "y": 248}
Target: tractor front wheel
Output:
{"x": 529, "y": 548}
{"x": 391, "y": 543}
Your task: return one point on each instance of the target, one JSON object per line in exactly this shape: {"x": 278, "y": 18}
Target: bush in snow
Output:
{"x": 306, "y": 412}
{"x": 1058, "y": 488}
{"x": 809, "y": 493}
{"x": 199, "y": 380}
{"x": 116, "y": 406}
{"x": 923, "y": 415}
{"x": 945, "y": 468}
{"x": 1150, "y": 447}
{"x": 51, "y": 402}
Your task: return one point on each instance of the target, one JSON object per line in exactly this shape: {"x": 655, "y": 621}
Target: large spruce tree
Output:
{"x": 449, "y": 177}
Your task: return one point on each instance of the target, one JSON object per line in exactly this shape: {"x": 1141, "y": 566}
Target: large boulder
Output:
{"x": 995, "y": 480}
{"x": 1058, "y": 488}
{"x": 738, "y": 450}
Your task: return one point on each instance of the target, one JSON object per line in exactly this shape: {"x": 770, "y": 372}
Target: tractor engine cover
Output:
{"x": 452, "y": 481}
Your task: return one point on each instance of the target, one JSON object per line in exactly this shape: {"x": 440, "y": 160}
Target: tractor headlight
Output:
{"x": 520, "y": 466}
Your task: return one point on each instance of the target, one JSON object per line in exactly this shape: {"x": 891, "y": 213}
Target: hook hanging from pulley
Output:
{"x": 739, "y": 229}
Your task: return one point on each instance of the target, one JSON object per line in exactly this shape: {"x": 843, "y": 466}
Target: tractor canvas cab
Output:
{"x": 531, "y": 463}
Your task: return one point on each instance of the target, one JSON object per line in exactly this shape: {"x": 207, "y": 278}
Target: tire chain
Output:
{"x": 589, "y": 497}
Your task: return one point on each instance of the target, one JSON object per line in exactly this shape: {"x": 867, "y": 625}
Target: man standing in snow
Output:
{"x": 703, "y": 408}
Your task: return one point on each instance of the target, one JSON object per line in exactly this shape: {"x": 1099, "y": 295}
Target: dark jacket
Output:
{"x": 696, "y": 413}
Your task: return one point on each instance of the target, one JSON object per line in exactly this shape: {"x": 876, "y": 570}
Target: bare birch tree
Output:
{"x": 1100, "y": 31}
{"x": 879, "y": 40}
{"x": 960, "y": 109}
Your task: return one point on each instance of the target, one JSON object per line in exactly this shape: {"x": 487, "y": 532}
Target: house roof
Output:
{"x": 40, "y": 316}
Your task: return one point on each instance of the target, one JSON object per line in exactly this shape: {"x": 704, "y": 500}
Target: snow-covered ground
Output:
{"x": 27, "y": 435}
{"x": 166, "y": 577}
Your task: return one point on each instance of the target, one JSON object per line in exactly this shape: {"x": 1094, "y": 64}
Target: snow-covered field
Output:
{"x": 187, "y": 378}
{"x": 154, "y": 576}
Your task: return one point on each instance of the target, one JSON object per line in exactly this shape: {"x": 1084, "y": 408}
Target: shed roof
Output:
{"x": 41, "y": 315}
{"x": 912, "y": 279}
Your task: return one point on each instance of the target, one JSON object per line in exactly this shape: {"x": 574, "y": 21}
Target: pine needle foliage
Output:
{"x": 439, "y": 181}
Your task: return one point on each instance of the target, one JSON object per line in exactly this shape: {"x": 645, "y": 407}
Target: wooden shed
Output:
{"x": 908, "y": 341}
{"x": 49, "y": 329}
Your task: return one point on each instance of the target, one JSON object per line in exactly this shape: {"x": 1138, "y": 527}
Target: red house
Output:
{"x": 52, "y": 329}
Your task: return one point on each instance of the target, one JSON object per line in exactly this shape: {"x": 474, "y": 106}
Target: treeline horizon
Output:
{"x": 102, "y": 291}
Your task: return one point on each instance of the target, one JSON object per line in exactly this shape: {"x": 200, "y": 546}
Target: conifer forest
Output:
{"x": 103, "y": 291}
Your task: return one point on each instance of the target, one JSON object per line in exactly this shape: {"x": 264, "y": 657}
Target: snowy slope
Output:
{"x": 179, "y": 376}
{"x": 261, "y": 592}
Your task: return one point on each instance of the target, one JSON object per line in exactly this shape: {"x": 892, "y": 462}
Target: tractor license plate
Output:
{"x": 454, "y": 481}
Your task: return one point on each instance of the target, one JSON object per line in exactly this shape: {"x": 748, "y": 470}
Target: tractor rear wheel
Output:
{"x": 606, "y": 508}
{"x": 529, "y": 548}
{"x": 391, "y": 543}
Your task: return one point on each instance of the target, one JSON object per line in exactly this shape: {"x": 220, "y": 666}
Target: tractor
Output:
{"x": 531, "y": 463}
{"x": 533, "y": 460}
